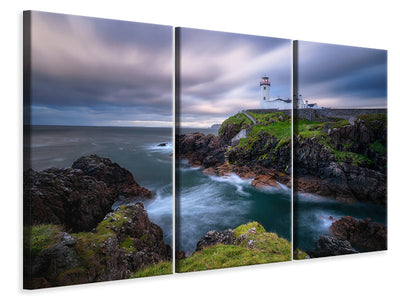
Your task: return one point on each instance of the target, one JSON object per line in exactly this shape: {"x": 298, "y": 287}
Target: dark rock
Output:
{"x": 331, "y": 246}
{"x": 119, "y": 179}
{"x": 162, "y": 145}
{"x": 201, "y": 149}
{"x": 66, "y": 197}
{"x": 77, "y": 198}
{"x": 226, "y": 237}
{"x": 228, "y": 133}
{"x": 364, "y": 234}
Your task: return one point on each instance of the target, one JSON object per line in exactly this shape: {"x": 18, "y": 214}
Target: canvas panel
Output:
{"x": 97, "y": 149}
{"x": 233, "y": 149}
{"x": 340, "y": 150}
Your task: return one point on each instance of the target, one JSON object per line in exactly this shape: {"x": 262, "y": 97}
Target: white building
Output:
{"x": 266, "y": 103}
{"x": 300, "y": 103}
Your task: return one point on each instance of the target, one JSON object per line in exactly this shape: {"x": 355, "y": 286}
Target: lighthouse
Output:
{"x": 264, "y": 91}
{"x": 266, "y": 102}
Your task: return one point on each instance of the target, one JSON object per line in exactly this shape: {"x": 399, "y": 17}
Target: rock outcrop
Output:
{"x": 118, "y": 179}
{"x": 79, "y": 197}
{"x": 226, "y": 237}
{"x": 124, "y": 242}
{"x": 363, "y": 234}
{"x": 331, "y": 246}
{"x": 247, "y": 244}
{"x": 264, "y": 151}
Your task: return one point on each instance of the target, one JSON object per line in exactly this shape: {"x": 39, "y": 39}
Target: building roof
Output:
{"x": 279, "y": 99}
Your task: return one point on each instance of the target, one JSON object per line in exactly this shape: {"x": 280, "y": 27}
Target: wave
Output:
{"x": 168, "y": 148}
{"x": 235, "y": 180}
{"x": 207, "y": 206}
{"x": 305, "y": 197}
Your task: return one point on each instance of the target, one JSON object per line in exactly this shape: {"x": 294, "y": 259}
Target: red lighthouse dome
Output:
{"x": 265, "y": 81}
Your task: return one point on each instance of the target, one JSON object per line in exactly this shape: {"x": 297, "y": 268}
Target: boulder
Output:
{"x": 226, "y": 237}
{"x": 65, "y": 197}
{"x": 364, "y": 234}
{"x": 330, "y": 246}
{"x": 118, "y": 179}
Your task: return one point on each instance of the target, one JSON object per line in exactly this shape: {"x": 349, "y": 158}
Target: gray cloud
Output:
{"x": 101, "y": 65}
{"x": 342, "y": 76}
{"x": 220, "y": 73}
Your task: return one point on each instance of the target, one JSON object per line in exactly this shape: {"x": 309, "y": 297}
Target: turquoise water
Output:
{"x": 133, "y": 148}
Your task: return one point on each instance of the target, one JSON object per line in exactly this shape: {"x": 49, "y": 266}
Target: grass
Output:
{"x": 309, "y": 129}
{"x": 298, "y": 254}
{"x": 267, "y": 248}
{"x": 269, "y": 117}
{"x": 369, "y": 120}
{"x": 378, "y": 147}
{"x": 161, "y": 268}
{"x": 354, "y": 158}
{"x": 40, "y": 237}
{"x": 242, "y": 229}
{"x": 279, "y": 130}
{"x": 89, "y": 245}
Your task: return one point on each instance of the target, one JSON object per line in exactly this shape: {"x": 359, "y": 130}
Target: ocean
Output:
{"x": 133, "y": 148}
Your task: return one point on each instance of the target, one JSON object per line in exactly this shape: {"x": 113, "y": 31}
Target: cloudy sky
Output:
{"x": 220, "y": 73}
{"x": 342, "y": 76}
{"x": 98, "y": 72}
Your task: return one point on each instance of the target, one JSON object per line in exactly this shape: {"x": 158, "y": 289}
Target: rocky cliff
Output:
{"x": 342, "y": 160}
{"x": 122, "y": 244}
{"x": 79, "y": 197}
{"x": 334, "y": 158}
{"x": 264, "y": 153}
{"x": 71, "y": 234}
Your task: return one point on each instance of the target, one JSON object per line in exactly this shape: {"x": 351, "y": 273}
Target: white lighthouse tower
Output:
{"x": 264, "y": 94}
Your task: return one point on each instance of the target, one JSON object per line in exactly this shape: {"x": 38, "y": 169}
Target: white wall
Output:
{"x": 364, "y": 23}
{"x": 276, "y": 104}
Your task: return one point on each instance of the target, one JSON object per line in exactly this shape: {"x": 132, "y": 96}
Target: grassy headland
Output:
{"x": 253, "y": 245}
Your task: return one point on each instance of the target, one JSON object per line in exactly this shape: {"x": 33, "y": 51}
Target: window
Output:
{"x": 265, "y": 98}
{"x": 265, "y": 87}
